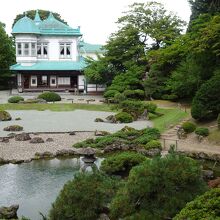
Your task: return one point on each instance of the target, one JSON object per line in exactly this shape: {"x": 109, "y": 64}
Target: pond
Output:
{"x": 35, "y": 185}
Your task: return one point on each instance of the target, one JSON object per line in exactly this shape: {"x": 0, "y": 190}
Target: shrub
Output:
{"x": 15, "y": 99}
{"x": 83, "y": 198}
{"x": 4, "y": 116}
{"x": 202, "y": 132}
{"x": 151, "y": 107}
{"x": 206, "y": 103}
{"x": 147, "y": 135}
{"x": 153, "y": 144}
{"x": 119, "y": 97}
{"x": 218, "y": 121}
{"x": 160, "y": 187}
{"x": 50, "y": 96}
{"x": 203, "y": 207}
{"x": 110, "y": 94}
{"x": 134, "y": 94}
{"x": 188, "y": 127}
{"x": 170, "y": 97}
{"x": 121, "y": 164}
{"x": 124, "y": 117}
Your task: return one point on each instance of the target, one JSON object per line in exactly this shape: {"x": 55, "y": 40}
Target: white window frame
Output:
{"x": 42, "y": 46}
{"x": 65, "y": 46}
{"x": 33, "y": 78}
{"x": 64, "y": 81}
{"x": 51, "y": 80}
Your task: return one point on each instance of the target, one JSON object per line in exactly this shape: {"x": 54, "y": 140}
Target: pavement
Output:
{"x": 78, "y": 120}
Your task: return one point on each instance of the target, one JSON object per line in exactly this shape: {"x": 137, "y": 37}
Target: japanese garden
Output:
{"x": 126, "y": 130}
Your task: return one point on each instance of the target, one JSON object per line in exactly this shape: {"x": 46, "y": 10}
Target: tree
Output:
{"x": 83, "y": 198}
{"x": 7, "y": 55}
{"x": 43, "y": 15}
{"x": 203, "y": 207}
{"x": 158, "y": 188}
{"x": 206, "y": 103}
{"x": 154, "y": 23}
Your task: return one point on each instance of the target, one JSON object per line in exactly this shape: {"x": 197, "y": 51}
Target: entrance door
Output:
{"x": 26, "y": 82}
{"x": 74, "y": 81}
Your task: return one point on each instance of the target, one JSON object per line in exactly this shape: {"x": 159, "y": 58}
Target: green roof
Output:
{"x": 49, "y": 26}
{"x": 51, "y": 65}
{"x": 90, "y": 48}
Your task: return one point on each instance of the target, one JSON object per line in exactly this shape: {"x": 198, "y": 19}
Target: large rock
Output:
{"x": 44, "y": 155}
{"x": 119, "y": 145}
{"x": 36, "y": 140}
{"x": 99, "y": 120}
{"x": 4, "y": 116}
{"x": 111, "y": 119}
{"x": 65, "y": 153}
{"x": 9, "y": 212}
{"x": 86, "y": 151}
{"x": 150, "y": 153}
{"x": 14, "y": 128}
{"x": 22, "y": 137}
{"x": 101, "y": 133}
{"x": 4, "y": 139}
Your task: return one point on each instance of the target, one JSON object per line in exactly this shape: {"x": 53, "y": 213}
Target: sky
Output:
{"x": 95, "y": 17}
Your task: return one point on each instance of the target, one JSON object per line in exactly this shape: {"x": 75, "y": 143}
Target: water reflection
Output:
{"x": 34, "y": 186}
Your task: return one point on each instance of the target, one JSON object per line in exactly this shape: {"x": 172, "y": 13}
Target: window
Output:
{"x": 64, "y": 80}
{"x": 44, "y": 80}
{"x": 19, "y": 49}
{"x": 53, "y": 81}
{"x": 65, "y": 50}
{"x": 33, "y": 80}
{"x": 42, "y": 50}
{"x": 33, "y": 49}
{"x": 26, "y": 49}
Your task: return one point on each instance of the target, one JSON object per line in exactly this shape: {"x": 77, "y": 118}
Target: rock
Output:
{"x": 89, "y": 160}
{"x": 16, "y": 161}
{"x": 111, "y": 119}
{"x": 36, "y": 140}
{"x": 44, "y": 155}
{"x": 65, "y": 152}
{"x": 207, "y": 174}
{"x": 49, "y": 140}
{"x": 127, "y": 128}
{"x": 11, "y": 135}
{"x": 3, "y": 161}
{"x": 5, "y": 116}
{"x": 18, "y": 119}
{"x": 22, "y": 137}
{"x": 101, "y": 133}
{"x": 151, "y": 152}
{"x": 99, "y": 120}
{"x": 4, "y": 139}
{"x": 14, "y": 128}
{"x": 86, "y": 151}
{"x": 9, "y": 212}
{"x": 214, "y": 183}
{"x": 103, "y": 216}
{"x": 72, "y": 133}
{"x": 119, "y": 146}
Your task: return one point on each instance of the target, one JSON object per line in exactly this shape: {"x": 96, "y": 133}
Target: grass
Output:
{"x": 171, "y": 117}
{"x": 214, "y": 136}
{"x": 56, "y": 107}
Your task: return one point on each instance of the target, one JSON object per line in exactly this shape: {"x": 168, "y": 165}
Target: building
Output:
{"x": 50, "y": 56}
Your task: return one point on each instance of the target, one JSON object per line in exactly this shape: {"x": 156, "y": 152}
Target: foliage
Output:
{"x": 7, "y": 56}
{"x": 15, "y": 99}
{"x": 50, "y": 96}
{"x": 148, "y": 135}
{"x": 110, "y": 93}
{"x": 188, "y": 127}
{"x": 218, "y": 121}
{"x": 202, "y": 131}
{"x": 124, "y": 117}
{"x": 83, "y": 198}
{"x": 153, "y": 144}
{"x": 134, "y": 94}
{"x": 43, "y": 15}
{"x": 119, "y": 97}
{"x": 159, "y": 188}
{"x": 203, "y": 207}
{"x": 121, "y": 164}
{"x": 206, "y": 103}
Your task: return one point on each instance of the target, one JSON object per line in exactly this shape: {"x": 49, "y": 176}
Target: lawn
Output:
{"x": 56, "y": 107}
{"x": 171, "y": 117}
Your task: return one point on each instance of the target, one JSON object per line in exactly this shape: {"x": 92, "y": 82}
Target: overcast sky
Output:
{"x": 96, "y": 17}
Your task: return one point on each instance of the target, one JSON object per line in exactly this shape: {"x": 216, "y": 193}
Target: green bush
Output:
{"x": 134, "y": 94}
{"x": 160, "y": 188}
{"x": 121, "y": 164}
{"x": 83, "y": 198}
{"x": 202, "y": 132}
{"x": 119, "y": 97}
{"x": 147, "y": 135}
{"x": 15, "y": 99}
{"x": 170, "y": 97}
{"x": 50, "y": 96}
{"x": 188, "y": 127}
{"x": 124, "y": 117}
{"x": 218, "y": 121}
{"x": 204, "y": 207}
{"x": 153, "y": 144}
{"x": 151, "y": 107}
{"x": 110, "y": 94}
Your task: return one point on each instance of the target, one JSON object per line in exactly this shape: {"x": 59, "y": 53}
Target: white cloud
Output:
{"x": 96, "y": 17}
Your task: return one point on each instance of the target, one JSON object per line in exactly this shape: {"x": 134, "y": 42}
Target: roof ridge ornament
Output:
{"x": 51, "y": 15}
{"x": 37, "y": 18}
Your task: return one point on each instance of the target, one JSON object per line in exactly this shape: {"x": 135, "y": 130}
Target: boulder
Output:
{"x": 3, "y": 161}
{"x": 101, "y": 133}
{"x": 14, "y": 128}
{"x": 86, "y": 151}
{"x": 127, "y": 129}
{"x": 17, "y": 119}
{"x": 4, "y": 139}
{"x": 99, "y": 120}
{"x": 5, "y": 116}
{"x": 44, "y": 155}
{"x": 207, "y": 174}
{"x": 111, "y": 119}
{"x": 214, "y": 183}
{"x": 72, "y": 133}
{"x": 49, "y": 140}
{"x": 65, "y": 152}
{"x": 36, "y": 140}
{"x": 11, "y": 135}
{"x": 150, "y": 153}
{"x": 9, "y": 212}
{"x": 22, "y": 137}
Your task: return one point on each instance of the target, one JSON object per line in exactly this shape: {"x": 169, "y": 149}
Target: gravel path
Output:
{"x": 24, "y": 150}
{"x": 78, "y": 120}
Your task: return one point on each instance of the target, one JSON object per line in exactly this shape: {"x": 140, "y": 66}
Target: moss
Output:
{"x": 4, "y": 116}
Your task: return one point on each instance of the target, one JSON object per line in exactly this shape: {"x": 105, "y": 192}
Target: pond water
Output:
{"x": 35, "y": 185}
